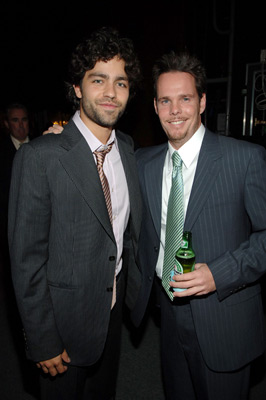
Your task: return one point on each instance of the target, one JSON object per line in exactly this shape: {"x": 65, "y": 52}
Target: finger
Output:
{"x": 183, "y": 293}
{"x": 53, "y": 371}
{"x": 180, "y": 285}
{"x": 185, "y": 277}
{"x": 183, "y": 283}
{"x": 186, "y": 293}
{"x": 65, "y": 357}
{"x": 60, "y": 368}
{"x": 45, "y": 369}
{"x": 198, "y": 266}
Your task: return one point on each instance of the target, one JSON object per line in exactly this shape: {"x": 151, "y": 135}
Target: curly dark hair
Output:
{"x": 102, "y": 45}
{"x": 181, "y": 62}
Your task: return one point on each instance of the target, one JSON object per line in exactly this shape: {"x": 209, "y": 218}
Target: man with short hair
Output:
{"x": 214, "y": 327}
{"x": 16, "y": 121}
{"x": 17, "y": 124}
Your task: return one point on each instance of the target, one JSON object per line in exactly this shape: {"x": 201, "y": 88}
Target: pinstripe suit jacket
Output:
{"x": 63, "y": 251}
{"x": 227, "y": 216}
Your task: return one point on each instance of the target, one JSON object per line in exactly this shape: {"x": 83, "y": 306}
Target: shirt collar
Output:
{"x": 91, "y": 139}
{"x": 17, "y": 143}
{"x": 190, "y": 150}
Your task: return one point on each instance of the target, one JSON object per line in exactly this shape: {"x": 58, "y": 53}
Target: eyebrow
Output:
{"x": 180, "y": 96}
{"x": 101, "y": 75}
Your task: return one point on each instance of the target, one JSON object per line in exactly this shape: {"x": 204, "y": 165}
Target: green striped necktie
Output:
{"x": 174, "y": 222}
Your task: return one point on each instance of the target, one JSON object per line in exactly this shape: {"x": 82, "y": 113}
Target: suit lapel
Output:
{"x": 207, "y": 169}
{"x": 80, "y": 166}
{"x": 153, "y": 175}
{"x": 129, "y": 163}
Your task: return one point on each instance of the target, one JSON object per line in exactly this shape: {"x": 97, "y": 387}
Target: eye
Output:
{"x": 186, "y": 99}
{"x": 97, "y": 81}
{"x": 122, "y": 84}
{"x": 164, "y": 101}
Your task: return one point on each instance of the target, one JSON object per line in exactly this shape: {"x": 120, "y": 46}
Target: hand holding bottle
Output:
{"x": 184, "y": 258}
{"x": 198, "y": 282}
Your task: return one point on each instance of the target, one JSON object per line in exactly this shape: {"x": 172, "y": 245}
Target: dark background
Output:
{"x": 37, "y": 39}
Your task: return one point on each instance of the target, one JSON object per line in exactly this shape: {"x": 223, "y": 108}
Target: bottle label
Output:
{"x": 184, "y": 244}
{"x": 178, "y": 269}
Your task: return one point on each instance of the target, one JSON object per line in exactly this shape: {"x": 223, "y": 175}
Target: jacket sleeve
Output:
{"x": 29, "y": 223}
{"x": 234, "y": 270}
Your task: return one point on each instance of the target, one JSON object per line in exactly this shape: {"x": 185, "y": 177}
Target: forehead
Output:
{"x": 176, "y": 82}
{"x": 113, "y": 67}
{"x": 17, "y": 113}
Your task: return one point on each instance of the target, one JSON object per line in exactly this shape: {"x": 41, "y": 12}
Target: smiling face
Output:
{"x": 178, "y": 106}
{"x": 103, "y": 96}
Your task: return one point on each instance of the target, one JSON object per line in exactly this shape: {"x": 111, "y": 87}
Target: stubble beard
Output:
{"x": 106, "y": 119}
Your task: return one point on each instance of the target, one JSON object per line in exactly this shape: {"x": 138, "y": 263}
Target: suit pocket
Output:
{"x": 65, "y": 305}
{"x": 62, "y": 286}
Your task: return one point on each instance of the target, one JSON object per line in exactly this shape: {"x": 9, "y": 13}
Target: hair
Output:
{"x": 102, "y": 45}
{"x": 180, "y": 62}
{"x": 14, "y": 106}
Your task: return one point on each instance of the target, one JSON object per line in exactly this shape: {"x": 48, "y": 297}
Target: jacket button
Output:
{"x": 109, "y": 289}
{"x": 111, "y": 258}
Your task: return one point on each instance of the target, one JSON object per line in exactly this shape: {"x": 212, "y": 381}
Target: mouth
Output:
{"x": 109, "y": 106}
{"x": 179, "y": 122}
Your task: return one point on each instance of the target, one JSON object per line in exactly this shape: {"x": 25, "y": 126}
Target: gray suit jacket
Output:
{"x": 62, "y": 247}
{"x": 227, "y": 216}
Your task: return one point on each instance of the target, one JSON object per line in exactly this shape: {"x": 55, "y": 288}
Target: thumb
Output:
{"x": 65, "y": 357}
{"x": 198, "y": 266}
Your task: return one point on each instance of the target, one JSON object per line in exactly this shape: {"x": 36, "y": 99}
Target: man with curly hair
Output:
{"x": 74, "y": 221}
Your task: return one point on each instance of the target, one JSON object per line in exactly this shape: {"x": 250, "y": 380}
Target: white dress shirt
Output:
{"x": 114, "y": 171}
{"x": 17, "y": 143}
{"x": 189, "y": 153}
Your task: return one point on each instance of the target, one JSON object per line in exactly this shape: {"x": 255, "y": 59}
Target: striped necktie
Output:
{"x": 100, "y": 157}
{"x": 174, "y": 222}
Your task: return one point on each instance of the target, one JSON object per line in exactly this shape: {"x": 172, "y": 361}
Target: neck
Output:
{"x": 100, "y": 132}
{"x": 18, "y": 139}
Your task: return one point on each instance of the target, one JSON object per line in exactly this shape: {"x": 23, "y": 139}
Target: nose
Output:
{"x": 175, "y": 108}
{"x": 109, "y": 90}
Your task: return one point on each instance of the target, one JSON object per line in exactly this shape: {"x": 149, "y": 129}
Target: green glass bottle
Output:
{"x": 185, "y": 255}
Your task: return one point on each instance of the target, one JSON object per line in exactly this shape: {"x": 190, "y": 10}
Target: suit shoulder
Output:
{"x": 147, "y": 153}
{"x": 44, "y": 148}
{"x": 48, "y": 140}
{"x": 125, "y": 138}
{"x": 47, "y": 146}
{"x": 235, "y": 145}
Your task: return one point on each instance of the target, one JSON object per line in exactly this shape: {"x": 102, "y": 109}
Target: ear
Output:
{"x": 6, "y": 124}
{"x": 203, "y": 103}
{"x": 155, "y": 105}
{"x": 77, "y": 91}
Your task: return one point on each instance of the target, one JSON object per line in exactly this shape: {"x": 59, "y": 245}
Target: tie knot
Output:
{"x": 100, "y": 155}
{"x": 177, "y": 160}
